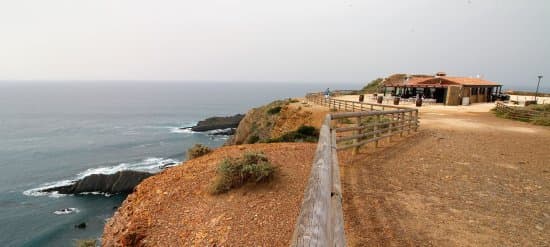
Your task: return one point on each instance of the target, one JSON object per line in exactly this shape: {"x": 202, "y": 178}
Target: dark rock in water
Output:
{"x": 166, "y": 165}
{"x": 120, "y": 182}
{"x": 81, "y": 225}
{"x": 215, "y": 123}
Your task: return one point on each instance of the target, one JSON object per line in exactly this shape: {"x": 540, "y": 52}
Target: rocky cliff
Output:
{"x": 275, "y": 119}
{"x": 174, "y": 208}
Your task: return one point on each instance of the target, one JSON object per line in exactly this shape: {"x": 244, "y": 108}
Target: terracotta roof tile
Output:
{"x": 399, "y": 80}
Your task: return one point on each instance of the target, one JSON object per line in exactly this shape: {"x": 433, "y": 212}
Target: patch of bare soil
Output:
{"x": 174, "y": 208}
{"x": 466, "y": 179}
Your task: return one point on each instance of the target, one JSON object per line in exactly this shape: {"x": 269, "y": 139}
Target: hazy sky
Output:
{"x": 284, "y": 40}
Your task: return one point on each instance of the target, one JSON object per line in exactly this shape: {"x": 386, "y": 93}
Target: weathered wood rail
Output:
{"x": 348, "y": 105}
{"x": 517, "y": 113}
{"x": 321, "y": 220}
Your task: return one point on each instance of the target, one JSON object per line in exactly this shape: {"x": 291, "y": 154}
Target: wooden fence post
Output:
{"x": 416, "y": 120}
{"x": 377, "y": 122}
{"x": 402, "y": 123}
{"x": 392, "y": 119}
{"x": 356, "y": 140}
{"x": 409, "y": 121}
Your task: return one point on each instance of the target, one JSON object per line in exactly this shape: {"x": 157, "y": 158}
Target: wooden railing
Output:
{"x": 361, "y": 128}
{"x": 348, "y": 105}
{"x": 321, "y": 220}
{"x": 518, "y": 113}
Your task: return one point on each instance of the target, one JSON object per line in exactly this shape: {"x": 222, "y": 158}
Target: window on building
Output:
{"x": 474, "y": 91}
{"x": 482, "y": 90}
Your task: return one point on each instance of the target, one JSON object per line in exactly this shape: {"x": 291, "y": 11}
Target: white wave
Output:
{"x": 66, "y": 211}
{"x": 96, "y": 193}
{"x": 39, "y": 191}
{"x": 152, "y": 165}
{"x": 216, "y": 131}
{"x": 179, "y": 130}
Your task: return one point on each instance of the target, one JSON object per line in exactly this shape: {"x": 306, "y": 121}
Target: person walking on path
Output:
{"x": 327, "y": 94}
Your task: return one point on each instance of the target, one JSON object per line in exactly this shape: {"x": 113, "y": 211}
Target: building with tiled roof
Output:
{"x": 445, "y": 89}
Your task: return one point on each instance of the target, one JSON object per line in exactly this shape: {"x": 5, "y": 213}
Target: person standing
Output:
{"x": 327, "y": 94}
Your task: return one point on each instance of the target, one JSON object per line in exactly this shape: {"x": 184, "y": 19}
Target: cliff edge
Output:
{"x": 174, "y": 207}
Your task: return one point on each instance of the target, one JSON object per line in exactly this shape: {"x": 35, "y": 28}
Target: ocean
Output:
{"x": 53, "y": 132}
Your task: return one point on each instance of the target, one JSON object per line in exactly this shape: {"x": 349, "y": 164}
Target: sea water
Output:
{"x": 54, "y": 132}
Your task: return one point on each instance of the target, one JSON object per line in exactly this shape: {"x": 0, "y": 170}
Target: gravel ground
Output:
{"x": 465, "y": 179}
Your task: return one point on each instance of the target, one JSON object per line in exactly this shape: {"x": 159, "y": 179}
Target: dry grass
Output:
{"x": 234, "y": 172}
{"x": 197, "y": 150}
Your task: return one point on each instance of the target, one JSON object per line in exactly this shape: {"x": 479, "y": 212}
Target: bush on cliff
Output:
{"x": 234, "y": 172}
{"x": 303, "y": 134}
{"x": 252, "y": 139}
{"x": 197, "y": 150}
{"x": 373, "y": 86}
{"x": 274, "y": 110}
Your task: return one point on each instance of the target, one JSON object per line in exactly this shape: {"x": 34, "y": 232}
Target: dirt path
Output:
{"x": 466, "y": 179}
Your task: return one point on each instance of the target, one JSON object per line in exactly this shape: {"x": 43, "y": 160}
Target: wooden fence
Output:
{"x": 348, "y": 105}
{"x": 519, "y": 113}
{"x": 321, "y": 221}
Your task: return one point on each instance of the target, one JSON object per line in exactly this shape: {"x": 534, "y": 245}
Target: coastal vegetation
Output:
{"x": 279, "y": 121}
{"x": 373, "y": 86}
{"x": 535, "y": 114}
{"x": 234, "y": 172}
{"x": 274, "y": 110}
{"x": 197, "y": 150}
{"x": 303, "y": 134}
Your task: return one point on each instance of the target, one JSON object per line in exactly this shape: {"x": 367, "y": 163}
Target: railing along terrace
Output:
{"x": 518, "y": 113}
{"x": 348, "y": 105}
{"x": 321, "y": 221}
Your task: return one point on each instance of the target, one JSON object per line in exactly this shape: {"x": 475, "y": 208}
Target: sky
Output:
{"x": 506, "y": 41}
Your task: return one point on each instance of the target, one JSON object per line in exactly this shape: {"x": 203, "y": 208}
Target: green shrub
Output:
{"x": 234, "y": 172}
{"x": 252, "y": 139}
{"x": 197, "y": 150}
{"x": 544, "y": 121}
{"x": 274, "y": 110}
{"x": 86, "y": 243}
{"x": 344, "y": 121}
{"x": 541, "y": 107}
{"x": 373, "y": 86}
{"x": 303, "y": 134}
{"x": 293, "y": 100}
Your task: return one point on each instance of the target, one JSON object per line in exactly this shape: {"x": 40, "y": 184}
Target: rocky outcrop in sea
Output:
{"x": 119, "y": 182}
{"x": 227, "y": 124}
